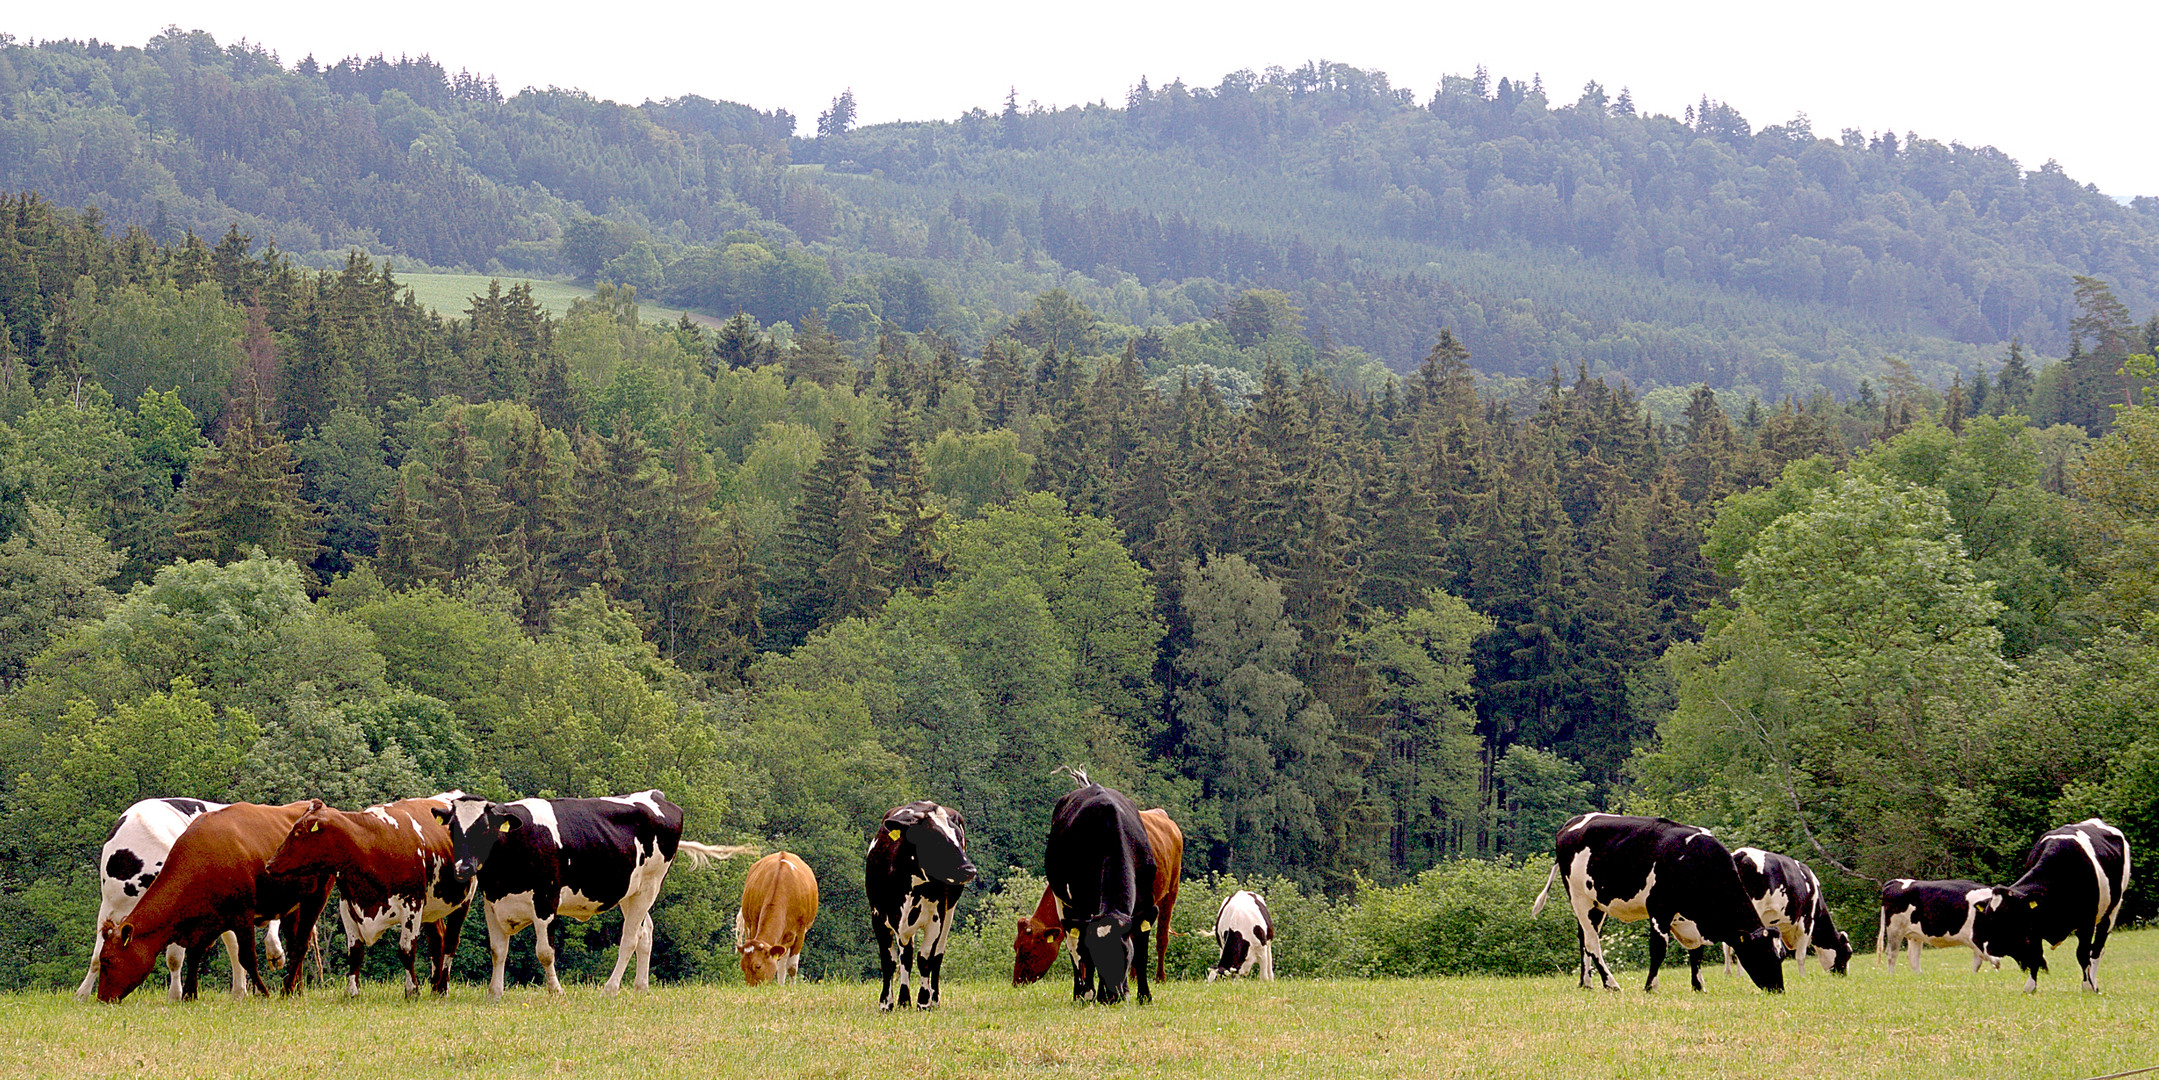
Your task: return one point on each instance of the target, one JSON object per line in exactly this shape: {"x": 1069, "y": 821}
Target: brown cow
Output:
{"x": 779, "y": 902}
{"x": 393, "y": 869}
{"x": 215, "y": 881}
{"x": 1041, "y": 935}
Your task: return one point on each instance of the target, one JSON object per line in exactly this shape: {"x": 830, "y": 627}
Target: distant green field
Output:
{"x": 1947, "y": 1021}
{"x": 451, "y": 294}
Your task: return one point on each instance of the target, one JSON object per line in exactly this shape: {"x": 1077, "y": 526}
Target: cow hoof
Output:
{"x": 884, "y": 1006}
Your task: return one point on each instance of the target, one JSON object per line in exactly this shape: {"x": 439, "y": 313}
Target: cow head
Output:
{"x": 1758, "y": 953}
{"x": 761, "y": 963}
{"x": 124, "y": 960}
{"x": 312, "y": 846}
{"x": 2007, "y": 924}
{"x": 475, "y": 826}
{"x": 1035, "y": 949}
{"x": 938, "y": 835}
{"x": 1234, "y": 950}
{"x": 1838, "y": 961}
{"x": 1106, "y": 941}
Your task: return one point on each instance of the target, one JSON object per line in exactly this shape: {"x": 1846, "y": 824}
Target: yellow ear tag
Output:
{"x": 895, "y": 834}
{"x": 504, "y": 827}
{"x": 315, "y": 827}
{"x": 2035, "y": 903}
{"x": 1145, "y": 926}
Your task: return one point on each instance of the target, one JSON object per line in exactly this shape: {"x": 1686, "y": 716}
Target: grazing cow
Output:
{"x": 1102, "y": 872}
{"x": 1245, "y": 930}
{"x": 915, "y": 871}
{"x": 1676, "y": 876}
{"x": 1916, "y": 913}
{"x": 393, "y": 867}
{"x": 1789, "y": 898}
{"x": 215, "y": 882}
{"x": 130, "y": 861}
{"x": 537, "y": 859}
{"x": 1040, "y": 936}
{"x": 2072, "y": 884}
{"x": 779, "y": 902}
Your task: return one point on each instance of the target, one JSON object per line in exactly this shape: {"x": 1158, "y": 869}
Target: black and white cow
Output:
{"x": 1789, "y": 898}
{"x": 130, "y": 860}
{"x": 1101, "y": 875}
{"x": 538, "y": 859}
{"x": 2072, "y": 884}
{"x": 1244, "y": 928}
{"x": 1940, "y": 913}
{"x": 1676, "y": 876}
{"x": 915, "y": 872}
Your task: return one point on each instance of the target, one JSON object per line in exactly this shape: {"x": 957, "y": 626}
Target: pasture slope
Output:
{"x": 451, "y": 294}
{"x": 1946, "y": 1022}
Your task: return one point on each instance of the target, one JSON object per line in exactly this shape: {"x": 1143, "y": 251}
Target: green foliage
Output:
{"x": 53, "y": 578}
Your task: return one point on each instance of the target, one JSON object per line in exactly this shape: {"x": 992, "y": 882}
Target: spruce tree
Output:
{"x": 245, "y": 494}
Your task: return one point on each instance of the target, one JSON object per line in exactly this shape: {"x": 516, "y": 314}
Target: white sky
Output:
{"x": 2039, "y": 82}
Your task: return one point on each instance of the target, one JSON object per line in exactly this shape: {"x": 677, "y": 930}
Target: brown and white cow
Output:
{"x": 779, "y": 902}
{"x": 216, "y": 881}
{"x": 393, "y": 866}
{"x": 1040, "y": 935}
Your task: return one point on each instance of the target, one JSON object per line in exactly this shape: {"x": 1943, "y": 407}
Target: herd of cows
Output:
{"x": 1763, "y": 906}
{"x": 178, "y": 875}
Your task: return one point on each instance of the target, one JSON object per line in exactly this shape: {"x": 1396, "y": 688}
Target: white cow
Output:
{"x": 1245, "y": 930}
{"x": 130, "y": 861}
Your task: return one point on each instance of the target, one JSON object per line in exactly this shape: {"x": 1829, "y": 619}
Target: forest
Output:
{"x": 1544, "y": 226}
{"x": 269, "y": 532}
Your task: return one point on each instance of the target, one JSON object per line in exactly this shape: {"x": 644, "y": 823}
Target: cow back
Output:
{"x": 1099, "y": 859}
{"x": 589, "y": 846}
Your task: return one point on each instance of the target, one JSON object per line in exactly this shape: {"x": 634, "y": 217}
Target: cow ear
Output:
{"x": 776, "y": 950}
{"x": 314, "y": 805}
{"x": 1023, "y": 924}
{"x": 442, "y": 813}
{"x": 127, "y": 933}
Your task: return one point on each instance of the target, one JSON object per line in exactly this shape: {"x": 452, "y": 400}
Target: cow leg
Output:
{"x": 1161, "y": 947}
{"x": 175, "y": 962}
{"x": 2088, "y": 958}
{"x": 1656, "y": 955}
{"x": 1694, "y": 966}
{"x": 908, "y": 946}
{"x": 932, "y": 958}
{"x": 1082, "y": 972}
{"x": 408, "y": 950}
{"x": 887, "y": 954}
{"x": 634, "y": 925}
{"x": 543, "y": 950}
{"x": 191, "y": 968}
{"x": 1979, "y": 958}
{"x": 447, "y": 932}
{"x": 499, "y": 932}
{"x": 1590, "y": 922}
{"x": 250, "y": 962}
{"x": 1266, "y": 960}
{"x": 1139, "y": 951}
{"x": 304, "y": 919}
{"x": 644, "y": 955}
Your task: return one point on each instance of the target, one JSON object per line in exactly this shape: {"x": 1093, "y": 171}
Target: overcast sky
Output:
{"x": 2037, "y": 81}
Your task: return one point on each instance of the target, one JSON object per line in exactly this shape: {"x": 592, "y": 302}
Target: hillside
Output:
{"x": 1545, "y": 231}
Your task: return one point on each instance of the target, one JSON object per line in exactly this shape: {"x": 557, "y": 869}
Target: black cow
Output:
{"x": 1101, "y": 875}
{"x": 1676, "y": 876}
{"x": 1942, "y": 913}
{"x": 915, "y": 872}
{"x": 2072, "y": 884}
{"x": 540, "y": 858}
{"x": 1789, "y": 899}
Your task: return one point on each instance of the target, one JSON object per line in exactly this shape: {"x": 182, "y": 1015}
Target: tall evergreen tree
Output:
{"x": 246, "y": 494}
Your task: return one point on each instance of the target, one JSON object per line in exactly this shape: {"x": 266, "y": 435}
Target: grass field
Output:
{"x": 1947, "y": 1021}
{"x": 451, "y": 294}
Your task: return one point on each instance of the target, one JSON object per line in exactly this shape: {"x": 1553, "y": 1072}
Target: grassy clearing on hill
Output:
{"x": 451, "y": 294}
{"x": 1947, "y": 1021}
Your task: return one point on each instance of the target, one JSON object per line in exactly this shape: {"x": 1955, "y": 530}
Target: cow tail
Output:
{"x": 702, "y": 854}
{"x": 1881, "y": 932}
{"x": 1538, "y": 907}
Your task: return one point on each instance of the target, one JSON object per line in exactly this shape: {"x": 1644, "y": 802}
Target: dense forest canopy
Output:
{"x": 1545, "y": 227}
{"x": 985, "y": 472}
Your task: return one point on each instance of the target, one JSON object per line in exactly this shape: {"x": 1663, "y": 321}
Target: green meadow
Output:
{"x": 1945, "y": 1021}
{"x": 451, "y": 294}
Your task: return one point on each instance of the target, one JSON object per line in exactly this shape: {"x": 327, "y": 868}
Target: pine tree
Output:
{"x": 817, "y": 355}
{"x": 467, "y": 511}
{"x": 532, "y": 484}
{"x": 246, "y": 494}
{"x": 616, "y": 493}
{"x": 897, "y": 475}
